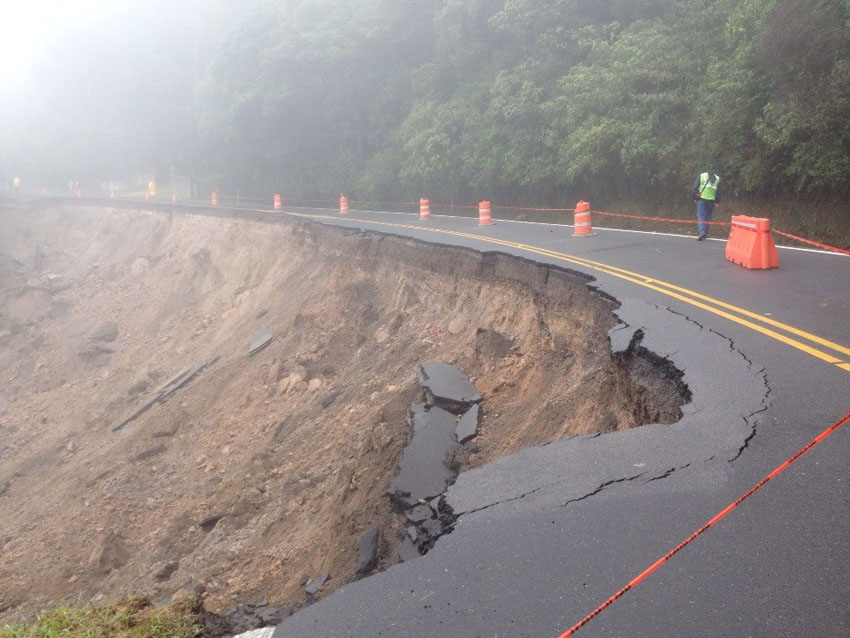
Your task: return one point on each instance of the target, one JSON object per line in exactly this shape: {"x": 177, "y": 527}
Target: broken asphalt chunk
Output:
{"x": 407, "y": 549}
{"x": 467, "y": 427}
{"x": 422, "y": 472}
{"x": 368, "y": 557}
{"x": 445, "y": 386}
{"x": 259, "y": 340}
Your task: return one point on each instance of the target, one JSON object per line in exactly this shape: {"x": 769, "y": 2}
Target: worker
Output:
{"x": 706, "y": 194}
{"x": 152, "y": 187}
{"x": 16, "y": 183}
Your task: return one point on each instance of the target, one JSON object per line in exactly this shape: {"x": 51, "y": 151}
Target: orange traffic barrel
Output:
{"x": 484, "y": 218}
{"x": 583, "y": 226}
{"x": 214, "y": 198}
{"x": 343, "y": 205}
{"x": 424, "y": 209}
{"x": 278, "y": 201}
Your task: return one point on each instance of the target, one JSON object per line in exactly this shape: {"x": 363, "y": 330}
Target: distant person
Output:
{"x": 152, "y": 188}
{"x": 706, "y": 193}
{"x": 16, "y": 183}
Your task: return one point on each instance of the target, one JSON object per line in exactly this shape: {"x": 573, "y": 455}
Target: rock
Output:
{"x": 314, "y": 384}
{"x": 455, "y": 326}
{"x": 445, "y": 386}
{"x": 163, "y": 571}
{"x": 150, "y": 453}
{"x": 467, "y": 427}
{"x": 368, "y": 551}
{"x": 246, "y": 618}
{"x": 138, "y": 387}
{"x": 274, "y": 372}
{"x": 328, "y": 399}
{"x": 494, "y": 344}
{"x": 107, "y": 331}
{"x": 316, "y": 584}
{"x": 110, "y": 554}
{"x": 209, "y": 523}
{"x": 169, "y": 431}
{"x": 190, "y": 591}
{"x": 71, "y": 447}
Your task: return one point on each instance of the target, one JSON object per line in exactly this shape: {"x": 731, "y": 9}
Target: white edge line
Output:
{"x": 596, "y": 228}
{"x": 516, "y": 221}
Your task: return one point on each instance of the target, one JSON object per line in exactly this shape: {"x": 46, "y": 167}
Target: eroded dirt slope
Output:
{"x": 261, "y": 469}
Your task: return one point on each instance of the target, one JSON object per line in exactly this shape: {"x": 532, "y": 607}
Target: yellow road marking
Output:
{"x": 671, "y": 290}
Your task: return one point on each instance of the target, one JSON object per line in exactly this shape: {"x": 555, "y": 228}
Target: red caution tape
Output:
{"x": 661, "y": 219}
{"x": 640, "y": 577}
{"x": 813, "y": 243}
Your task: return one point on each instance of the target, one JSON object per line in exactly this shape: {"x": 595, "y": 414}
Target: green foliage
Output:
{"x": 516, "y": 99}
{"x": 133, "y": 618}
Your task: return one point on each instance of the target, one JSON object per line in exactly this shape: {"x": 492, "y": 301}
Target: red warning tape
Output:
{"x": 661, "y": 219}
{"x": 813, "y": 243}
{"x": 640, "y": 577}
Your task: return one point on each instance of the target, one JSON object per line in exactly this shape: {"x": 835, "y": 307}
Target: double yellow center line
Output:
{"x": 747, "y": 318}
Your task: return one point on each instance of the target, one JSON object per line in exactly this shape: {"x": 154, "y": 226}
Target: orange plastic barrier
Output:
{"x": 214, "y": 198}
{"x": 278, "y": 201}
{"x": 751, "y": 244}
{"x": 583, "y": 226}
{"x": 424, "y": 209}
{"x": 484, "y": 218}
{"x": 343, "y": 205}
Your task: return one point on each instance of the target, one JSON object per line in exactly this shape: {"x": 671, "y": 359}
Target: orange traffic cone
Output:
{"x": 583, "y": 227}
{"x": 484, "y": 218}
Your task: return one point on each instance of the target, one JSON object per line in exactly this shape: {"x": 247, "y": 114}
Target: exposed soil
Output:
{"x": 261, "y": 469}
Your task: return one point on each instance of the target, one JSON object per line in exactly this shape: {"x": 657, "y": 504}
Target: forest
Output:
{"x": 519, "y": 101}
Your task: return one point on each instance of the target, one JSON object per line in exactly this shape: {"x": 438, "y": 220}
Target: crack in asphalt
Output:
{"x": 602, "y": 487}
{"x": 749, "y": 418}
{"x": 749, "y": 421}
{"x": 508, "y": 500}
{"x": 666, "y": 474}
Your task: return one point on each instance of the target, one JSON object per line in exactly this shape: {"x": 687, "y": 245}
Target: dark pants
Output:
{"x": 705, "y": 208}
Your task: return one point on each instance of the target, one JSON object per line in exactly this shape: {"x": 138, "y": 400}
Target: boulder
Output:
{"x": 111, "y": 553}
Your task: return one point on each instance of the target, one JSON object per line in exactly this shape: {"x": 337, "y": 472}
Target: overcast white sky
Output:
{"x": 24, "y": 23}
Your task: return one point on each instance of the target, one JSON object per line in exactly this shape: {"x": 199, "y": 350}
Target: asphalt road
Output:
{"x": 547, "y": 535}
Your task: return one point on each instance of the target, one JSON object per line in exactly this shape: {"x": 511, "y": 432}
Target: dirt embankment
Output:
{"x": 260, "y": 470}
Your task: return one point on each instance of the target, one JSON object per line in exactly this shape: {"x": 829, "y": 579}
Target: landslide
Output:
{"x": 262, "y": 470}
